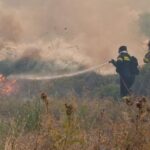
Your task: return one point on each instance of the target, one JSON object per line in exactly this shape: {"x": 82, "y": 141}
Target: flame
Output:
{"x": 2, "y": 78}
{"x": 7, "y": 87}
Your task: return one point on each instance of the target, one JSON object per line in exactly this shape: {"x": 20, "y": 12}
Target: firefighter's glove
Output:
{"x": 112, "y": 61}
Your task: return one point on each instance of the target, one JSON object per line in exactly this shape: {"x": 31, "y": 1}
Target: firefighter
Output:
{"x": 126, "y": 67}
{"x": 147, "y": 56}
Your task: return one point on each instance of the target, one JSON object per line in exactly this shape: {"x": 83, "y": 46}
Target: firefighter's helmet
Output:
{"x": 122, "y": 49}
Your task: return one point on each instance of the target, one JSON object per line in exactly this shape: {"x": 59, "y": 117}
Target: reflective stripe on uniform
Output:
{"x": 120, "y": 59}
{"x": 126, "y": 58}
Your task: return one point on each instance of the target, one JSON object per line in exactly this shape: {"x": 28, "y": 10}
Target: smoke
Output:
{"x": 144, "y": 22}
{"x": 10, "y": 27}
{"x": 82, "y": 32}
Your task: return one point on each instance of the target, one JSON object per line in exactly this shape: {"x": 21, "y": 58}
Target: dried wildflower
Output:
{"x": 44, "y": 97}
{"x": 139, "y": 104}
{"x": 69, "y": 109}
{"x": 144, "y": 100}
{"x": 129, "y": 102}
{"x": 102, "y": 113}
{"x": 148, "y": 109}
{"x": 69, "y": 113}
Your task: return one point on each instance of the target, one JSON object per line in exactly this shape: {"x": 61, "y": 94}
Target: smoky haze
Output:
{"x": 87, "y": 32}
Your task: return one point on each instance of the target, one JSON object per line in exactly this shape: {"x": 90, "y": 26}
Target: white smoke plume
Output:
{"x": 87, "y": 32}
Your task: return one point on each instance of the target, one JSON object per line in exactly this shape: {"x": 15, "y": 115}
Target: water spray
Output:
{"x": 34, "y": 77}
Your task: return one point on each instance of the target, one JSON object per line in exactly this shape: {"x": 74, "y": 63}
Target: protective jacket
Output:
{"x": 147, "y": 57}
{"x": 122, "y": 65}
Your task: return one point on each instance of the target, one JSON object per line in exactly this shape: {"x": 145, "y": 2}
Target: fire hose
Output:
{"x": 33, "y": 77}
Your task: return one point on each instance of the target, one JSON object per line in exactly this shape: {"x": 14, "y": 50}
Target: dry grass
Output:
{"x": 79, "y": 125}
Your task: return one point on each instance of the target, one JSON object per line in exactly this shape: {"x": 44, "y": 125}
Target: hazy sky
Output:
{"x": 87, "y": 31}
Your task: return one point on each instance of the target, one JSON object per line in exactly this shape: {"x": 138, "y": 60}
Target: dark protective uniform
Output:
{"x": 123, "y": 67}
{"x": 147, "y": 57}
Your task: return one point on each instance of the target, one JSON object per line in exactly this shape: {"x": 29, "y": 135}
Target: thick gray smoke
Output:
{"x": 67, "y": 31}
{"x": 33, "y": 64}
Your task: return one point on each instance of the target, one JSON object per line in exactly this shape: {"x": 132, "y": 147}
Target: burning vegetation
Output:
{"x": 7, "y": 87}
{"x": 79, "y": 113}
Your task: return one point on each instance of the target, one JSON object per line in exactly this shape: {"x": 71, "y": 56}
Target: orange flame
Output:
{"x": 8, "y": 87}
{"x": 2, "y": 78}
